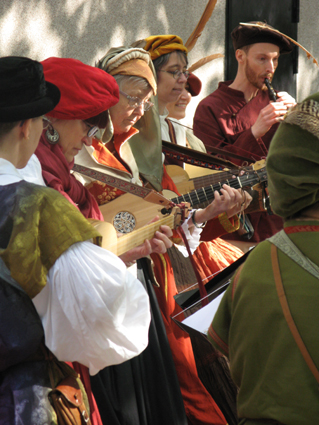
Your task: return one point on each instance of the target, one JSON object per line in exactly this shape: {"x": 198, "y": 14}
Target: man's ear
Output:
{"x": 24, "y": 127}
{"x": 240, "y": 56}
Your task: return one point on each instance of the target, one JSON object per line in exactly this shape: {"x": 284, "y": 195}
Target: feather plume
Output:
{"x": 203, "y": 61}
{"x": 190, "y": 43}
{"x": 261, "y": 25}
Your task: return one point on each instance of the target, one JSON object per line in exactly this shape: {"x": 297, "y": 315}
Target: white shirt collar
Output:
{"x": 8, "y": 173}
{"x": 165, "y": 114}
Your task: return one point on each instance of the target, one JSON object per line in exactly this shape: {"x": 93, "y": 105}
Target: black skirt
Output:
{"x": 144, "y": 390}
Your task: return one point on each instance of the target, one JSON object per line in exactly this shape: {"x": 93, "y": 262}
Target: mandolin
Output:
{"x": 122, "y": 244}
{"x": 204, "y": 195}
{"x": 128, "y": 213}
{"x": 185, "y": 184}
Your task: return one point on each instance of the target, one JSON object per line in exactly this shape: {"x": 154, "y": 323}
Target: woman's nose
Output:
{"x": 185, "y": 95}
{"x": 139, "y": 110}
{"x": 182, "y": 78}
{"x": 87, "y": 140}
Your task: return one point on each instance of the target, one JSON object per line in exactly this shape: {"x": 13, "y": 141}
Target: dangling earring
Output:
{"x": 52, "y": 135}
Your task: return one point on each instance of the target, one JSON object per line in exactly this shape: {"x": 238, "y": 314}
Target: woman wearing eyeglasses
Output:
{"x": 137, "y": 156}
{"x": 143, "y": 391}
{"x": 70, "y": 126}
{"x": 81, "y": 112}
{"x": 169, "y": 56}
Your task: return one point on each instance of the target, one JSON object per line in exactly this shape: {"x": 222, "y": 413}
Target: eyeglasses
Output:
{"x": 135, "y": 102}
{"x": 45, "y": 122}
{"x": 93, "y": 129}
{"x": 176, "y": 74}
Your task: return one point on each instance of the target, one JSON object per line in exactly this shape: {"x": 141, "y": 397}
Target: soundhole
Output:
{"x": 124, "y": 222}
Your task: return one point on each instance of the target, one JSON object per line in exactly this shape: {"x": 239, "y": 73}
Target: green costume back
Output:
{"x": 37, "y": 225}
{"x": 250, "y": 328}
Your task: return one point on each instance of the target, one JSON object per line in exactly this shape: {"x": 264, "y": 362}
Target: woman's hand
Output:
{"x": 158, "y": 244}
{"x": 230, "y": 200}
{"x": 161, "y": 242}
{"x": 240, "y": 206}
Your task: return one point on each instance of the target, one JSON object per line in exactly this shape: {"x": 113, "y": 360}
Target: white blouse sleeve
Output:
{"x": 193, "y": 238}
{"x": 92, "y": 309}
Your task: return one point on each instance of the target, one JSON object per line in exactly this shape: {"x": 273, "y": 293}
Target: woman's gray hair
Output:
{"x": 132, "y": 80}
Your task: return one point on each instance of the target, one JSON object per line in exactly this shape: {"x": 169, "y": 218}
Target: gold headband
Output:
{"x": 138, "y": 68}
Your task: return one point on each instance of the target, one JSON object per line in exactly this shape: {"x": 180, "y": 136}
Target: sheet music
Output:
{"x": 202, "y": 319}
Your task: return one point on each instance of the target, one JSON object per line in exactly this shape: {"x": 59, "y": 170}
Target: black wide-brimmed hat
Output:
{"x": 24, "y": 93}
{"x": 259, "y": 32}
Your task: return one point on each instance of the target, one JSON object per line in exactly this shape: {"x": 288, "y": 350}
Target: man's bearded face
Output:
{"x": 256, "y": 79}
{"x": 261, "y": 62}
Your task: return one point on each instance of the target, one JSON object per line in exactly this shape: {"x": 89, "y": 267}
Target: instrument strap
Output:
{"x": 149, "y": 195}
{"x": 201, "y": 286}
{"x": 262, "y": 146}
{"x": 287, "y": 314}
{"x": 172, "y": 136}
{"x": 236, "y": 279}
{"x": 171, "y": 131}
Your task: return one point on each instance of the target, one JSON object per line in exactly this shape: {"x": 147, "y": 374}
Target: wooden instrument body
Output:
{"x": 128, "y": 212}
{"x": 122, "y": 244}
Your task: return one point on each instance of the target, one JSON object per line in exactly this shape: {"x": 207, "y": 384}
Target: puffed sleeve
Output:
{"x": 92, "y": 309}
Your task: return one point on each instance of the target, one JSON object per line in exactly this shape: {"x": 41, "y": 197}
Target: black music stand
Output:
{"x": 214, "y": 287}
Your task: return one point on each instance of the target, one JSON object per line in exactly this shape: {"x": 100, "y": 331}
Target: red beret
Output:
{"x": 194, "y": 84}
{"x": 86, "y": 91}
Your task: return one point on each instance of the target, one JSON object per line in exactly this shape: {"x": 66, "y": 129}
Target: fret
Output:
{"x": 196, "y": 195}
{"x": 189, "y": 195}
{"x": 210, "y": 192}
{"x": 194, "y": 198}
{"x": 201, "y": 194}
{"x": 204, "y": 194}
{"x": 203, "y": 181}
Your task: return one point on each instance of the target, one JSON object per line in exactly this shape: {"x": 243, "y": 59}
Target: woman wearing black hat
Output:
{"x": 46, "y": 262}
